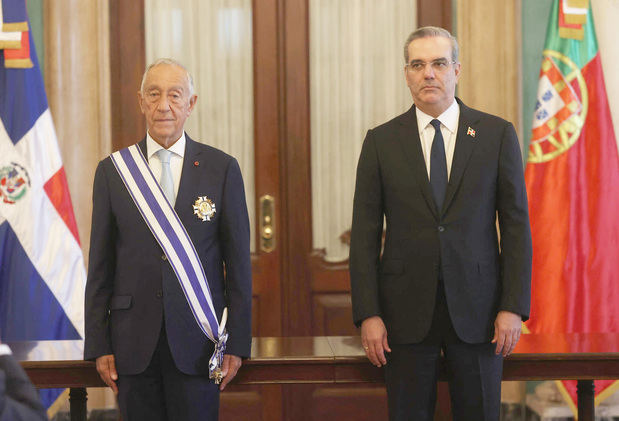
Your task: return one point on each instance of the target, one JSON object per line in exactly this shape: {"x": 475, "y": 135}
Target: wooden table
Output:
{"x": 340, "y": 359}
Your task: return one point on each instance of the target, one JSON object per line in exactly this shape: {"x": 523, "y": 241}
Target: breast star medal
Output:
{"x": 204, "y": 208}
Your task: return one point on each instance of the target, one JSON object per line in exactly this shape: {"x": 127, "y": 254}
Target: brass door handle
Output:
{"x": 267, "y": 223}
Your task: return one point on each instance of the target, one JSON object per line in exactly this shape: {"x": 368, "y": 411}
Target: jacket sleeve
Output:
{"x": 19, "y": 400}
{"x": 234, "y": 237}
{"x": 101, "y": 263}
{"x": 366, "y": 234}
{"x": 513, "y": 213}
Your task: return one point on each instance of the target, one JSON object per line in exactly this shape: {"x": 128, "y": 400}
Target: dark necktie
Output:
{"x": 438, "y": 166}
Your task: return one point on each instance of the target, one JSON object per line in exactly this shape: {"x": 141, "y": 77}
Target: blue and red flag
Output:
{"x": 42, "y": 274}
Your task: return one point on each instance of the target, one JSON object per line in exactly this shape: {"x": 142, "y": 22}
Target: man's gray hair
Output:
{"x": 432, "y": 31}
{"x": 170, "y": 62}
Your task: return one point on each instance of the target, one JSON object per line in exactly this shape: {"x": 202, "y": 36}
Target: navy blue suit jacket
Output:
{"x": 19, "y": 400}
{"x": 131, "y": 288}
{"x": 458, "y": 242}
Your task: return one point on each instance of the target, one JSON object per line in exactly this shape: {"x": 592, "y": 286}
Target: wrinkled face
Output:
{"x": 430, "y": 74}
{"x": 166, "y": 103}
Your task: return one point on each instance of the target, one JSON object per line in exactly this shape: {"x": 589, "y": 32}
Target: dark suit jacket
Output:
{"x": 19, "y": 401}
{"x": 458, "y": 242}
{"x": 131, "y": 288}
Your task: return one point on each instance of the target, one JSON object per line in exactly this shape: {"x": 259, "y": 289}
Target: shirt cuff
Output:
{"x": 5, "y": 350}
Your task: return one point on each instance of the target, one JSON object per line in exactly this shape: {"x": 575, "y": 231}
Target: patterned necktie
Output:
{"x": 438, "y": 166}
{"x": 165, "y": 181}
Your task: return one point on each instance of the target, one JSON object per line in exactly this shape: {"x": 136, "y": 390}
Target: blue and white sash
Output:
{"x": 171, "y": 235}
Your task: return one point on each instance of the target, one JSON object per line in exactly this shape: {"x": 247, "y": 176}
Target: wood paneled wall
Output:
{"x": 435, "y": 13}
{"x": 489, "y": 34}
{"x": 127, "y": 63}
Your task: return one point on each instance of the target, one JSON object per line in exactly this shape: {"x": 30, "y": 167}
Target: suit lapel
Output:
{"x": 186, "y": 188}
{"x": 411, "y": 144}
{"x": 142, "y": 146}
{"x": 465, "y": 144}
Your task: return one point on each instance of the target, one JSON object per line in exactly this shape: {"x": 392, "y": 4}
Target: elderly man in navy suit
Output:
{"x": 168, "y": 295}
{"x": 440, "y": 175}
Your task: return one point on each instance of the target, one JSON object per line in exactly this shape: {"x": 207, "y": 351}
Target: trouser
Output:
{"x": 474, "y": 374}
{"x": 163, "y": 393}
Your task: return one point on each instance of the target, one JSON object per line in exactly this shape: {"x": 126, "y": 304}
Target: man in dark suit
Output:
{"x": 440, "y": 174}
{"x": 140, "y": 328}
{"x": 19, "y": 400}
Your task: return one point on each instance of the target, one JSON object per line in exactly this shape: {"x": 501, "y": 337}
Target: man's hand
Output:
{"x": 229, "y": 368}
{"x": 106, "y": 367}
{"x": 507, "y": 328}
{"x": 374, "y": 340}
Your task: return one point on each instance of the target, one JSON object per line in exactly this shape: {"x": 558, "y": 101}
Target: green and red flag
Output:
{"x": 572, "y": 179}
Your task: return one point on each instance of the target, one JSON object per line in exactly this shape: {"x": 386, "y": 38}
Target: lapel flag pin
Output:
{"x": 470, "y": 132}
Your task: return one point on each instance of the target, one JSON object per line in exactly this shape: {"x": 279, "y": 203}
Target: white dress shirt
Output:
{"x": 176, "y": 159}
{"x": 449, "y": 130}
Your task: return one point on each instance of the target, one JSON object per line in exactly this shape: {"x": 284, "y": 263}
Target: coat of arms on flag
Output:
{"x": 14, "y": 182}
{"x": 559, "y": 112}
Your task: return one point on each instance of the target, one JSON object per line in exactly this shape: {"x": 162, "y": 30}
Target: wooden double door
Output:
{"x": 296, "y": 292}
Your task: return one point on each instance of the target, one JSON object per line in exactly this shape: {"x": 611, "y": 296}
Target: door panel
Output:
{"x": 267, "y": 264}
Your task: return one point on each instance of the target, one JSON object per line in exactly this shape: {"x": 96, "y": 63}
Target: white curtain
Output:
{"x": 213, "y": 39}
{"x": 606, "y": 14}
{"x": 356, "y": 82}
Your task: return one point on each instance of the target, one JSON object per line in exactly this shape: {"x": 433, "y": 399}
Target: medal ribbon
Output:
{"x": 172, "y": 236}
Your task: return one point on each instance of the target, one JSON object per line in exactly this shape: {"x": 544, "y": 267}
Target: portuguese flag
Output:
{"x": 572, "y": 179}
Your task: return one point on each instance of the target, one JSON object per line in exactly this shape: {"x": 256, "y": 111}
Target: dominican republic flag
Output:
{"x": 572, "y": 178}
{"x": 42, "y": 273}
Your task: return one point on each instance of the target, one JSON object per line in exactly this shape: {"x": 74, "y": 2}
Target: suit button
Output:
{"x": 159, "y": 294}
{"x": 441, "y": 228}
{"x": 164, "y": 257}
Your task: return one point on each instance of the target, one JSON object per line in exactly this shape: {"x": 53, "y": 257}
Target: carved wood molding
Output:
{"x": 328, "y": 276}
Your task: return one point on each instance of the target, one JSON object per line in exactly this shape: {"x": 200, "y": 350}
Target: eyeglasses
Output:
{"x": 438, "y": 65}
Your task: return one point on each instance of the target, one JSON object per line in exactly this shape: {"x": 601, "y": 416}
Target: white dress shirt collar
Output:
{"x": 152, "y": 147}
{"x": 176, "y": 159}
{"x": 449, "y": 118}
{"x": 449, "y": 129}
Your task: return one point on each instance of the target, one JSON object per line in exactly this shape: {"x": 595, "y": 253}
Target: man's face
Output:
{"x": 166, "y": 103}
{"x": 430, "y": 74}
